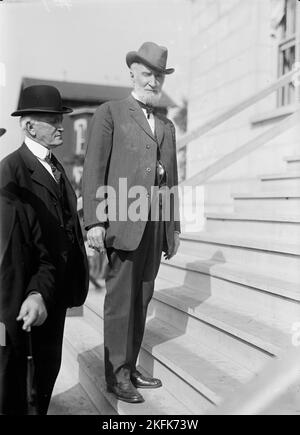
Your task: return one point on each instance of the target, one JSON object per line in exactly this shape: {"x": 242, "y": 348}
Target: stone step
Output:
{"x": 209, "y": 373}
{"x": 222, "y": 321}
{"x": 68, "y": 397}
{"x": 222, "y": 330}
{"x": 249, "y": 351}
{"x": 288, "y": 403}
{"x": 295, "y": 175}
{"x": 74, "y": 401}
{"x": 293, "y": 163}
{"x": 275, "y": 226}
{"x": 286, "y": 180}
{"x": 193, "y": 401}
{"x": 276, "y": 202}
{"x": 254, "y": 295}
{"x": 246, "y": 339}
{"x": 198, "y": 268}
{"x": 210, "y": 339}
{"x": 268, "y": 257}
{"x": 87, "y": 345}
{"x": 281, "y": 184}
{"x": 80, "y": 338}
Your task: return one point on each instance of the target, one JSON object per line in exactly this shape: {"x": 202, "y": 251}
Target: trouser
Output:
{"x": 47, "y": 352}
{"x": 129, "y": 289}
{"x": 12, "y": 380}
{"x": 47, "y": 346}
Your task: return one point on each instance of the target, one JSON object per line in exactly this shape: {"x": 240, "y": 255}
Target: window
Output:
{"x": 287, "y": 51}
{"x": 80, "y": 127}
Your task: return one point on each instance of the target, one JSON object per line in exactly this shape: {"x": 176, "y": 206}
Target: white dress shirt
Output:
{"x": 151, "y": 119}
{"x": 40, "y": 153}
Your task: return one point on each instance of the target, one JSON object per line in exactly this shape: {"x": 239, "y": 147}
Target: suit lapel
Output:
{"x": 38, "y": 173}
{"x": 159, "y": 130}
{"x": 138, "y": 115}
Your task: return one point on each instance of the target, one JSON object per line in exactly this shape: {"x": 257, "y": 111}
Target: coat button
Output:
{"x": 148, "y": 169}
{"x": 147, "y": 146}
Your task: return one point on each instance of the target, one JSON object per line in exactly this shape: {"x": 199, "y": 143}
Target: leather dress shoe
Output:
{"x": 141, "y": 381}
{"x": 126, "y": 391}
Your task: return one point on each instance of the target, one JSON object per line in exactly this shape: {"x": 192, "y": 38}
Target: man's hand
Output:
{"x": 96, "y": 237}
{"x": 176, "y": 244}
{"x": 33, "y": 311}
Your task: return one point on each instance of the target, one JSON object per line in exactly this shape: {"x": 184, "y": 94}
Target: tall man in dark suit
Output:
{"x": 131, "y": 147}
{"x": 36, "y": 177}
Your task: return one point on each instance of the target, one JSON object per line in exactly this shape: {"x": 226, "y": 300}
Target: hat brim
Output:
{"x": 41, "y": 110}
{"x": 133, "y": 56}
{"x": 2, "y": 131}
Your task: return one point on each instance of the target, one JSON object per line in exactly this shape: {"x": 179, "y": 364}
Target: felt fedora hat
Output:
{"x": 152, "y": 55}
{"x": 2, "y": 131}
{"x": 41, "y": 99}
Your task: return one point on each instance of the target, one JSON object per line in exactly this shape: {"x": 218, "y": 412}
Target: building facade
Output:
{"x": 238, "y": 47}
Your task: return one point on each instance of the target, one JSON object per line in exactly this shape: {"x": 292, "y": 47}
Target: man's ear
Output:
{"x": 131, "y": 76}
{"x": 30, "y": 128}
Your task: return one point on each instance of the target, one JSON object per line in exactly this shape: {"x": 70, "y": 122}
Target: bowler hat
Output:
{"x": 40, "y": 98}
{"x": 152, "y": 55}
{"x": 2, "y": 131}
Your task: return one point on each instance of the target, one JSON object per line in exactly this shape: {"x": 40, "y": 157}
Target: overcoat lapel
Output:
{"x": 159, "y": 130}
{"x": 7, "y": 221}
{"x": 137, "y": 114}
{"x": 38, "y": 173}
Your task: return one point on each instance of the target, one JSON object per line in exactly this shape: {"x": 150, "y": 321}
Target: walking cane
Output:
{"x": 32, "y": 408}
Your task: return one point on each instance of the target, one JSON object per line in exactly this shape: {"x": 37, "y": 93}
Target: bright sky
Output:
{"x": 85, "y": 41}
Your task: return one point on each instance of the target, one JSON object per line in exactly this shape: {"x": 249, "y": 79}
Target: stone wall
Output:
{"x": 233, "y": 55}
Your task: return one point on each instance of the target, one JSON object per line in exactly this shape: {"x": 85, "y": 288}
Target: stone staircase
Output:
{"x": 222, "y": 308}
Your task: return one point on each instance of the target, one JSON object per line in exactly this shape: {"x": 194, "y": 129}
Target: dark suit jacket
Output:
{"x": 121, "y": 145}
{"x": 25, "y": 264}
{"x": 22, "y": 174}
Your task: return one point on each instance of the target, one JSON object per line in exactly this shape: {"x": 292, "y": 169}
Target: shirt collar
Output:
{"x": 136, "y": 98}
{"x": 36, "y": 148}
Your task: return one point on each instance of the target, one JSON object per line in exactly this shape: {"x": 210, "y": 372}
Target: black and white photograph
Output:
{"x": 149, "y": 210}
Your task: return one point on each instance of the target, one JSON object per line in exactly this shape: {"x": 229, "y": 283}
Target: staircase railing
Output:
{"x": 236, "y": 109}
{"x": 232, "y": 157}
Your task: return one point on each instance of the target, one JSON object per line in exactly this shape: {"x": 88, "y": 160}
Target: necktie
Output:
{"x": 65, "y": 206}
{"x": 149, "y": 109}
{"x": 56, "y": 173}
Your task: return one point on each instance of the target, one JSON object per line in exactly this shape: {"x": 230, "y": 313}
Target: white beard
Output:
{"x": 149, "y": 98}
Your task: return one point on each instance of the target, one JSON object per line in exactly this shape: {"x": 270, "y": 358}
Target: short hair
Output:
{"x": 34, "y": 116}
{"x": 134, "y": 65}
